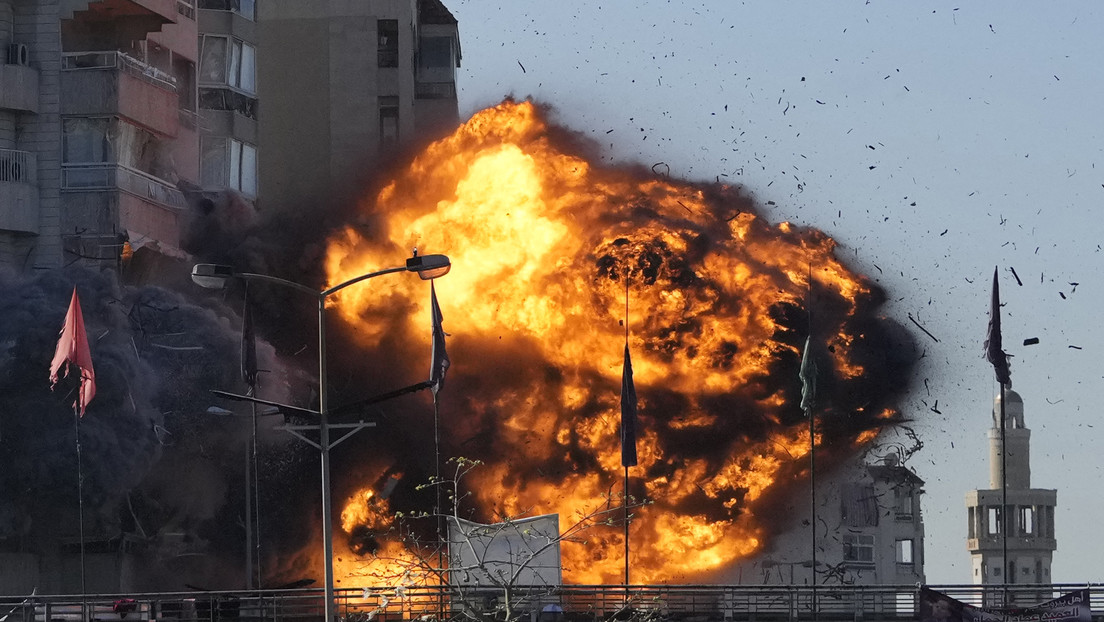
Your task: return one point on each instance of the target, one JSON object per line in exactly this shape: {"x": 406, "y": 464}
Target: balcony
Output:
{"x": 18, "y": 88}
{"x": 148, "y": 206}
{"x": 113, "y": 83}
{"x": 152, "y": 13}
{"x": 18, "y": 191}
{"x": 435, "y": 90}
{"x": 112, "y": 176}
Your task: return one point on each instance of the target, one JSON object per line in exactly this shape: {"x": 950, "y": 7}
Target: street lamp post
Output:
{"x": 214, "y": 276}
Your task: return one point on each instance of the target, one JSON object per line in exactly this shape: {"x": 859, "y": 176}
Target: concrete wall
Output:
{"x": 320, "y": 85}
{"x": 36, "y": 23}
{"x": 293, "y": 122}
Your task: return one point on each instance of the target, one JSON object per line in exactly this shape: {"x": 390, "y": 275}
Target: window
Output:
{"x": 859, "y": 505}
{"x": 389, "y": 121}
{"x": 388, "y": 48}
{"x": 245, "y": 8}
{"x": 186, "y": 8}
{"x": 435, "y": 53}
{"x": 858, "y": 548}
{"x": 904, "y": 549}
{"x": 227, "y": 61}
{"x": 184, "y": 72}
{"x": 994, "y": 516}
{"x": 229, "y": 163}
{"x": 902, "y": 497}
{"x": 212, "y": 59}
{"x": 85, "y": 141}
{"x": 1027, "y": 520}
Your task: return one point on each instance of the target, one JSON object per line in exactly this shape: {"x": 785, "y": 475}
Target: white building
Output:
{"x": 1030, "y": 511}
{"x": 869, "y": 531}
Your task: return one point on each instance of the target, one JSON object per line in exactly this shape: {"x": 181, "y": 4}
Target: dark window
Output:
{"x": 388, "y": 121}
{"x": 388, "y": 49}
{"x": 436, "y": 52}
{"x": 858, "y": 548}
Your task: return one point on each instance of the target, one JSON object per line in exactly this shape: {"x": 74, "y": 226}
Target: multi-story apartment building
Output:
{"x": 107, "y": 105}
{"x": 228, "y": 106}
{"x": 345, "y": 87}
{"x": 97, "y": 123}
{"x": 109, "y": 108}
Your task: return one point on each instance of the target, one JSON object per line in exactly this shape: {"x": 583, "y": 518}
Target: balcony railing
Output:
{"x": 18, "y": 166}
{"x": 577, "y": 603}
{"x": 111, "y": 176}
{"x": 83, "y": 61}
{"x": 435, "y": 90}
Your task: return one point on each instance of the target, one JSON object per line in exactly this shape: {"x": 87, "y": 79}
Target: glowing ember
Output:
{"x": 543, "y": 245}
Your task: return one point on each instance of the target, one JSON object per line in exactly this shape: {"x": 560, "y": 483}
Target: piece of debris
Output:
{"x": 1013, "y": 271}
{"x": 1073, "y": 347}
{"x": 913, "y": 320}
{"x": 1030, "y": 341}
{"x": 522, "y": 67}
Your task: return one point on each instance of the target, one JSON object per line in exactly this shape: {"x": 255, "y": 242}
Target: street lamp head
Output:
{"x": 211, "y": 276}
{"x": 428, "y": 266}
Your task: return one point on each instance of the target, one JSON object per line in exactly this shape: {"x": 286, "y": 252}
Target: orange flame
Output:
{"x": 545, "y": 249}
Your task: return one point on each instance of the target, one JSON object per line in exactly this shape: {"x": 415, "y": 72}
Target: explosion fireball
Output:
{"x": 546, "y": 246}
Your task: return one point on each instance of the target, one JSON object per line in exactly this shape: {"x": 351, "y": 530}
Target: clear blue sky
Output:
{"x": 934, "y": 141}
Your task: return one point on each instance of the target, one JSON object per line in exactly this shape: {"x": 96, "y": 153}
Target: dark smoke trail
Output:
{"x": 158, "y": 467}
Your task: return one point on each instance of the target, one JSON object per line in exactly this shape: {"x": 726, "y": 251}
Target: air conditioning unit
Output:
{"x": 18, "y": 55}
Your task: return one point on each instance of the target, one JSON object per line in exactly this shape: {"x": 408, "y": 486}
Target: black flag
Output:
{"x": 248, "y": 346}
{"x": 993, "y": 349}
{"x": 440, "y": 360}
{"x": 628, "y": 413}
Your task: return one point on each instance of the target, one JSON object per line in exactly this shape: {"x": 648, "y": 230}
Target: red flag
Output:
{"x": 628, "y": 413}
{"x": 72, "y": 348}
{"x": 993, "y": 350}
{"x": 441, "y": 361}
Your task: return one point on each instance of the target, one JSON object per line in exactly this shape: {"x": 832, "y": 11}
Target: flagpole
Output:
{"x": 808, "y": 397}
{"x": 252, "y": 472}
{"x": 80, "y": 495}
{"x": 438, "y": 511}
{"x": 1004, "y": 498}
{"x": 438, "y": 367}
{"x": 994, "y": 352}
{"x": 625, "y": 496}
{"x": 812, "y": 495}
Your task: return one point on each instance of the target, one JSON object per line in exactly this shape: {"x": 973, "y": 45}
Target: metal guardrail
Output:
{"x": 111, "y": 176}
{"x": 18, "y": 166}
{"x": 576, "y": 603}
{"x": 103, "y": 60}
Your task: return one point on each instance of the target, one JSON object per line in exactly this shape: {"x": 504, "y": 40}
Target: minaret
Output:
{"x": 1031, "y": 542}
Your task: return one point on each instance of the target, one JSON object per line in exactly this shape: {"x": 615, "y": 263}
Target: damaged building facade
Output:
{"x": 119, "y": 117}
{"x": 108, "y": 108}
